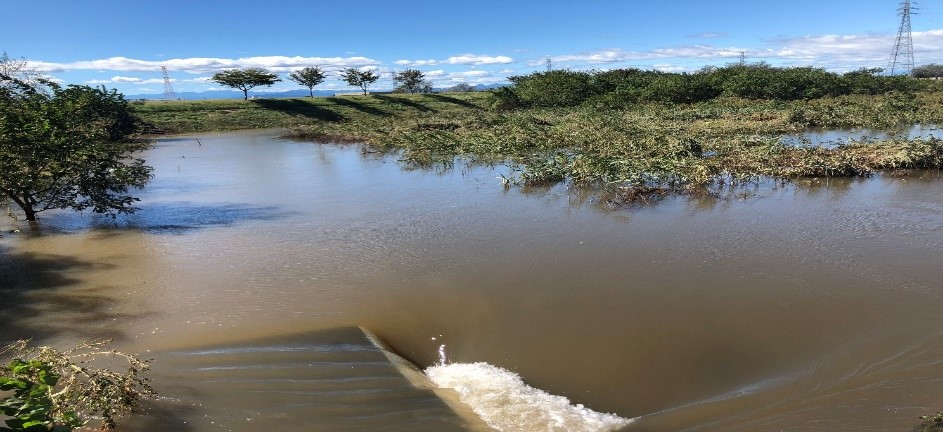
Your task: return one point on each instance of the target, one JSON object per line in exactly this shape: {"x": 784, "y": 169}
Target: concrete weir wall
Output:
{"x": 419, "y": 380}
{"x": 343, "y": 379}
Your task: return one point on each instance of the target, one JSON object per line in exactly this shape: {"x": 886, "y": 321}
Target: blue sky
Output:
{"x": 122, "y": 44}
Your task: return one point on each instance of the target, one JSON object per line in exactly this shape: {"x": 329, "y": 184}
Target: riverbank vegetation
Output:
{"x": 45, "y": 389}
{"x": 67, "y": 148}
{"x": 636, "y": 132}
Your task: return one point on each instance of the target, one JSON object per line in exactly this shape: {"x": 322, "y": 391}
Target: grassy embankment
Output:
{"x": 644, "y": 149}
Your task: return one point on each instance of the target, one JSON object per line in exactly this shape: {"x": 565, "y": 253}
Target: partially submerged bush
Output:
{"x": 930, "y": 423}
{"x": 44, "y": 389}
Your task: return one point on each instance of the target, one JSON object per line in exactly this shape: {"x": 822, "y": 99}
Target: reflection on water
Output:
{"x": 831, "y": 138}
{"x": 783, "y": 307}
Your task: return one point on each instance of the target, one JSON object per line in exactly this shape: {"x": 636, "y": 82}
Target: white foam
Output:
{"x": 502, "y": 400}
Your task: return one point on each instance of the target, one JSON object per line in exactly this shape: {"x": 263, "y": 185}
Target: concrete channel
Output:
{"x": 343, "y": 379}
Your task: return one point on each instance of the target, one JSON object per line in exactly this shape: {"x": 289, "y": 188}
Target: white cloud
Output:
{"x": 463, "y": 59}
{"x": 116, "y": 79}
{"x": 473, "y": 73}
{"x": 470, "y": 59}
{"x": 417, "y": 62}
{"x": 834, "y": 52}
{"x": 618, "y": 55}
{"x": 708, "y": 35}
{"x": 442, "y": 78}
{"x": 121, "y": 79}
{"x": 204, "y": 65}
{"x": 136, "y": 80}
{"x": 670, "y": 68}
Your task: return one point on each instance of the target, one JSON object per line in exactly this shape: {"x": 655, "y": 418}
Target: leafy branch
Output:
{"x": 44, "y": 389}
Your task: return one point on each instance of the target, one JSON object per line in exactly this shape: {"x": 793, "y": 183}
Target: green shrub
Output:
{"x": 558, "y": 88}
{"x": 932, "y": 70}
{"x": 43, "y": 389}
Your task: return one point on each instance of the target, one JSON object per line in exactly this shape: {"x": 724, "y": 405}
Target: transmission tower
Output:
{"x": 168, "y": 89}
{"x": 549, "y": 64}
{"x": 902, "y": 58}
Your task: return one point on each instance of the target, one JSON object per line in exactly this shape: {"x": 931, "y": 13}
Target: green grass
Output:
{"x": 218, "y": 115}
{"x": 648, "y": 149}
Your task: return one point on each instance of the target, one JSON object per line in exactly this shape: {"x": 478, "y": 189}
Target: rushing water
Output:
{"x": 812, "y": 306}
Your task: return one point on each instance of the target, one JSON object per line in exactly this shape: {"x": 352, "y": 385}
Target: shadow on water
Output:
{"x": 170, "y": 217}
{"x": 299, "y": 108}
{"x": 404, "y": 102}
{"x": 40, "y": 299}
{"x": 452, "y": 100}
{"x": 359, "y": 106}
{"x": 181, "y": 217}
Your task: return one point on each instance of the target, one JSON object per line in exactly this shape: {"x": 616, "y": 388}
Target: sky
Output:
{"x": 122, "y": 44}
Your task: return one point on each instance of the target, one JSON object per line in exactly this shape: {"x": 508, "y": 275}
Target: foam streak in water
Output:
{"x": 503, "y": 401}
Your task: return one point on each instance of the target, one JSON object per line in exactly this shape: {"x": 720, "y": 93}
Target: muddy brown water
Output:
{"x": 813, "y": 306}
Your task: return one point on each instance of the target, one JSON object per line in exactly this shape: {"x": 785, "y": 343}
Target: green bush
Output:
{"x": 622, "y": 88}
{"x": 932, "y": 70}
{"x": 45, "y": 390}
{"x": 558, "y": 88}
{"x": 680, "y": 88}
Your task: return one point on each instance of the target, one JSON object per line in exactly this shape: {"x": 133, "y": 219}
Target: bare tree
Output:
{"x": 12, "y": 68}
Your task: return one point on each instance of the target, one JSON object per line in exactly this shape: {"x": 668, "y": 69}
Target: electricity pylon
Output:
{"x": 902, "y": 59}
{"x": 168, "y": 89}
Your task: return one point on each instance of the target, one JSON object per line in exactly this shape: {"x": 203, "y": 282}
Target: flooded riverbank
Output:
{"x": 808, "y": 306}
{"x": 832, "y": 138}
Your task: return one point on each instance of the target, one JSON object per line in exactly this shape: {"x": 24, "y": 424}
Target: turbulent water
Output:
{"x": 806, "y": 306}
{"x": 506, "y": 403}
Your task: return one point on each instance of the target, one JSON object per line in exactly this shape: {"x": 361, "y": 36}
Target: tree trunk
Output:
{"x": 25, "y": 203}
{"x": 245, "y": 95}
{"x": 311, "y": 90}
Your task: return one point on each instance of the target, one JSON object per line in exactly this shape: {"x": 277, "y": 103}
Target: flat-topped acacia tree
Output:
{"x": 67, "y": 148}
{"x": 246, "y": 79}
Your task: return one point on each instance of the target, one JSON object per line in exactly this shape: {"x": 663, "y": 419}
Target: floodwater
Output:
{"x": 804, "y": 307}
{"x": 831, "y": 138}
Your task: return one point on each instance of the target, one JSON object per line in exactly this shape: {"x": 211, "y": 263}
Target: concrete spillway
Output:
{"x": 339, "y": 379}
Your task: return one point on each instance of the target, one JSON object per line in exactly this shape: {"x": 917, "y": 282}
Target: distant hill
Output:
{"x": 229, "y": 94}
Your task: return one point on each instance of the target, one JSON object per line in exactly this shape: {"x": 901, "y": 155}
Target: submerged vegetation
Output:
{"x": 638, "y": 133}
